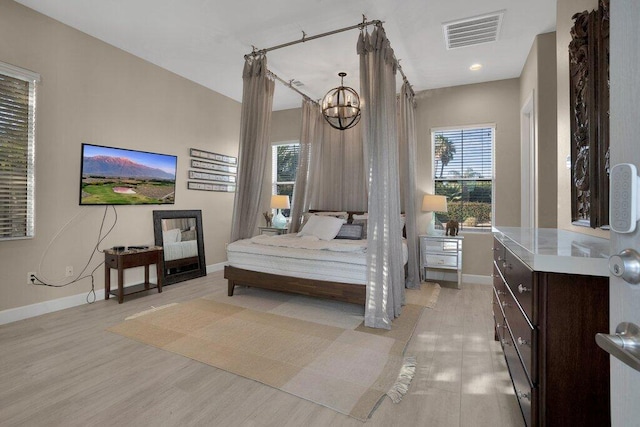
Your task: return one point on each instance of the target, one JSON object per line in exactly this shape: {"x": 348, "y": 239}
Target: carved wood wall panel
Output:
{"x": 589, "y": 100}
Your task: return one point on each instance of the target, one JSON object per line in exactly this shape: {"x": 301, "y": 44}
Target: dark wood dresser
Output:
{"x": 546, "y": 322}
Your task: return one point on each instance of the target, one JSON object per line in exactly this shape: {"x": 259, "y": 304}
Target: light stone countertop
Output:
{"x": 557, "y": 251}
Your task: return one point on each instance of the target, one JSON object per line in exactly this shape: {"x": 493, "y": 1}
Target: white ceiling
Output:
{"x": 205, "y": 40}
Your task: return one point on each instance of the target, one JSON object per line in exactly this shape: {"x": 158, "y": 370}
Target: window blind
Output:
{"x": 463, "y": 172}
{"x": 463, "y": 154}
{"x": 17, "y": 154}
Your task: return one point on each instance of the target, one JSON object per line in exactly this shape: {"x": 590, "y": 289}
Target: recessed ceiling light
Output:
{"x": 475, "y": 67}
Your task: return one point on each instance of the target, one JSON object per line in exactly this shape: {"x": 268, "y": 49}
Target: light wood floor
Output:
{"x": 64, "y": 369}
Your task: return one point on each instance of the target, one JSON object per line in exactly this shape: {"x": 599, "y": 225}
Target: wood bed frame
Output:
{"x": 347, "y": 292}
{"x": 339, "y": 291}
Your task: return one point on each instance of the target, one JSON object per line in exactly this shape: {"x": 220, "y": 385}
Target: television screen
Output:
{"x": 116, "y": 176}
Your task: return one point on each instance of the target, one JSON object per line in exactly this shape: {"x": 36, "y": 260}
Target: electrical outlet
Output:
{"x": 68, "y": 271}
{"x": 31, "y": 277}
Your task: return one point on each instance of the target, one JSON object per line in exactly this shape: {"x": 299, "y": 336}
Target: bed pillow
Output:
{"x": 171, "y": 236}
{"x": 307, "y": 215}
{"x": 362, "y": 223}
{"x": 350, "y": 231}
{"x": 323, "y": 227}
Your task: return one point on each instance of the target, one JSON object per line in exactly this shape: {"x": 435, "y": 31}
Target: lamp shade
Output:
{"x": 280, "y": 202}
{"x": 434, "y": 203}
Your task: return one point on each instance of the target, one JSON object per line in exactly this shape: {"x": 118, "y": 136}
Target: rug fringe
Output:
{"x": 401, "y": 386}
{"x": 151, "y": 310}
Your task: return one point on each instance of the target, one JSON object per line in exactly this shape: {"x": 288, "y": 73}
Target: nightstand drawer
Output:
{"x": 441, "y": 245}
{"x": 441, "y": 261}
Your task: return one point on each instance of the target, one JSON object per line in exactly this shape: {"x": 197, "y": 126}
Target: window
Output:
{"x": 284, "y": 168}
{"x": 17, "y": 152}
{"x": 463, "y": 171}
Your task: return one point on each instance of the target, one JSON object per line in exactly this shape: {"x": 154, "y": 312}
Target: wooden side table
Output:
{"x": 121, "y": 260}
{"x": 273, "y": 231}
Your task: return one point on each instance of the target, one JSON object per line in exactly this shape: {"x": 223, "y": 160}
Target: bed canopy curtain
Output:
{"x": 337, "y": 168}
{"x": 407, "y": 143}
{"x": 310, "y": 138}
{"x": 254, "y": 145}
{"x": 385, "y": 270}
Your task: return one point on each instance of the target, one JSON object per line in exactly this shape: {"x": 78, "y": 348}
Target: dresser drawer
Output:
{"x": 523, "y": 335}
{"x": 519, "y": 278}
{"x": 523, "y": 390}
{"x": 498, "y": 317}
{"x": 441, "y": 261}
{"x": 498, "y": 251}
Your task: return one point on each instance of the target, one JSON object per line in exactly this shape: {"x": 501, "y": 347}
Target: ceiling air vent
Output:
{"x": 472, "y": 31}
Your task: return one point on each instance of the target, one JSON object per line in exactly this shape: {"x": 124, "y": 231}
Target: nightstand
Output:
{"x": 441, "y": 252}
{"x": 273, "y": 231}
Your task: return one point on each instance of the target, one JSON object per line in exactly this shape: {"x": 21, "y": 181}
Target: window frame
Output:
{"x": 454, "y": 128}
{"x": 274, "y": 170}
{"x": 32, "y": 79}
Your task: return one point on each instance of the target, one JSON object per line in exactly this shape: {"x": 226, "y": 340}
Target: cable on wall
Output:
{"x": 91, "y": 296}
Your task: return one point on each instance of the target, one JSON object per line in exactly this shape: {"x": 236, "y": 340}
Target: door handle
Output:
{"x": 626, "y": 265}
{"x": 624, "y": 345}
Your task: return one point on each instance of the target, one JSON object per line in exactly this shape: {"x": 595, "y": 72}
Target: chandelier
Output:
{"x": 341, "y": 106}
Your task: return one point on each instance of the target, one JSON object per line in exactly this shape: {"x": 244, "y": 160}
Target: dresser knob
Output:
{"x": 500, "y": 258}
{"x": 506, "y": 265}
{"x": 522, "y": 342}
{"x": 505, "y": 304}
{"x": 522, "y": 289}
{"x": 505, "y": 342}
{"x": 523, "y": 395}
{"x": 499, "y": 292}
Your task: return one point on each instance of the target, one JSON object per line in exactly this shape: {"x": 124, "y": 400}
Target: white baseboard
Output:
{"x": 475, "y": 278}
{"x": 32, "y": 310}
{"x": 216, "y": 267}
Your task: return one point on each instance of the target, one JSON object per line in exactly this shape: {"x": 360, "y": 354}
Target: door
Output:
{"x": 625, "y": 148}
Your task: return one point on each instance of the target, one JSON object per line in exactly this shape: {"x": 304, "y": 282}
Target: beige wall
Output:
{"x": 566, "y": 9}
{"x": 493, "y": 102}
{"x": 92, "y": 92}
{"x": 538, "y": 78}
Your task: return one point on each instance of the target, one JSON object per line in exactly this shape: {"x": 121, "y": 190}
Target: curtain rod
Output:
{"x": 290, "y": 86}
{"x": 304, "y": 38}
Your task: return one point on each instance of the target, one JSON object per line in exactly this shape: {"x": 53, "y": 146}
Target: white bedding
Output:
{"x": 289, "y": 255}
{"x": 179, "y": 250}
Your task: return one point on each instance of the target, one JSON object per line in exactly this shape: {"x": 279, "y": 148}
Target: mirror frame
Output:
{"x": 158, "y": 216}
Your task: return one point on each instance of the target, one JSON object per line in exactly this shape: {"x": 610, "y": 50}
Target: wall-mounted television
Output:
{"x": 118, "y": 176}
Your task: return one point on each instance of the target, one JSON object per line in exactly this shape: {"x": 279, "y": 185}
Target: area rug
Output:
{"x": 347, "y": 368}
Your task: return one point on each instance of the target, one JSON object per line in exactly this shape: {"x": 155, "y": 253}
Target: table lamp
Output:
{"x": 434, "y": 203}
{"x": 280, "y": 202}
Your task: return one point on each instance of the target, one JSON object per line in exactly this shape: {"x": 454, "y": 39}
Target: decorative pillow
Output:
{"x": 362, "y": 223}
{"x": 350, "y": 231}
{"x": 171, "y": 236}
{"x": 307, "y": 215}
{"x": 323, "y": 227}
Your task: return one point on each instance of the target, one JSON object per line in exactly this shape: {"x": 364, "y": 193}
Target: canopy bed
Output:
{"x": 334, "y": 269}
{"x": 368, "y": 168}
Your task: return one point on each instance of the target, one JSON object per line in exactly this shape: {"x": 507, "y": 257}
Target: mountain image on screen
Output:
{"x": 108, "y": 166}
